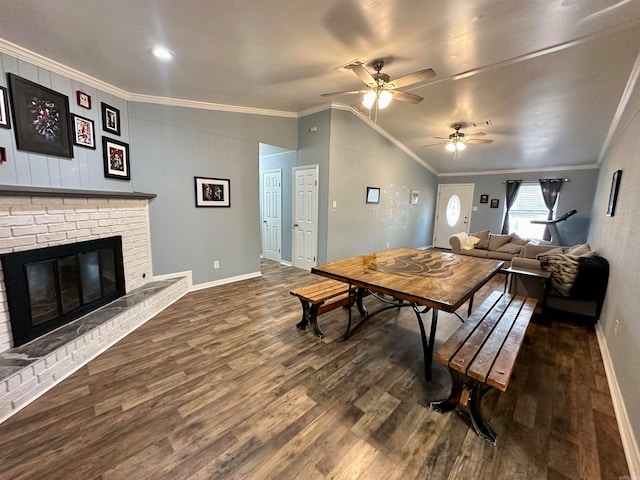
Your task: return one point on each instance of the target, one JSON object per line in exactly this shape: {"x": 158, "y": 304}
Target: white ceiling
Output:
{"x": 549, "y": 75}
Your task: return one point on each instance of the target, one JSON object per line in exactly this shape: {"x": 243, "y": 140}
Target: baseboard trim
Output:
{"x": 224, "y": 281}
{"x": 285, "y": 263}
{"x": 186, "y": 273}
{"x": 629, "y": 443}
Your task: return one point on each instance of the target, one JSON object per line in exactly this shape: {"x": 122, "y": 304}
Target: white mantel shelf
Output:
{"x": 29, "y": 191}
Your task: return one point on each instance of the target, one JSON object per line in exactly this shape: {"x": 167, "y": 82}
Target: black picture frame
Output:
{"x": 212, "y": 192}
{"x": 83, "y": 132}
{"x": 5, "y": 121}
{"x": 115, "y": 156}
{"x": 484, "y": 198}
{"x": 40, "y": 118}
{"x": 83, "y": 99}
{"x": 613, "y": 194}
{"x": 373, "y": 195}
{"x": 495, "y": 202}
{"x": 110, "y": 119}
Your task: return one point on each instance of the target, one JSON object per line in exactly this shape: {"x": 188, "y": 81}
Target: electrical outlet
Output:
{"x": 216, "y": 264}
{"x": 387, "y": 244}
{"x": 615, "y": 328}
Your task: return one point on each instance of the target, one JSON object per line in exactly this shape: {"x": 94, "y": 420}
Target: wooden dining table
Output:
{"x": 425, "y": 280}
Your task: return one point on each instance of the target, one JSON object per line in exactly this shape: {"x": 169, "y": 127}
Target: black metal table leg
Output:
{"x": 313, "y": 319}
{"x": 469, "y": 409}
{"x": 427, "y": 346}
{"x": 449, "y": 403}
{"x": 302, "y": 324}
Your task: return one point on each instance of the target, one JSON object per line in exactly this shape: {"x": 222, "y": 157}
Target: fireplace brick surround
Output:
{"x": 42, "y": 217}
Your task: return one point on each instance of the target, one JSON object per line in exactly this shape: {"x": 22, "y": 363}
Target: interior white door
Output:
{"x": 305, "y": 221}
{"x": 453, "y": 212}
{"x": 272, "y": 214}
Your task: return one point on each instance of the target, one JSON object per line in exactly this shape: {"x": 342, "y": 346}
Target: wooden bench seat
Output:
{"x": 482, "y": 354}
{"x": 314, "y": 301}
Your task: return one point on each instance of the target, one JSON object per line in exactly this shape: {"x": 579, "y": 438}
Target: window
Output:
{"x": 529, "y": 205}
{"x": 453, "y": 210}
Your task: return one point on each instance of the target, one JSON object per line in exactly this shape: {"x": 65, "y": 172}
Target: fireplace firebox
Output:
{"x": 49, "y": 287}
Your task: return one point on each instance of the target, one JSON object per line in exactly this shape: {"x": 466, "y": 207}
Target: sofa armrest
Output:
{"x": 454, "y": 241}
{"x": 526, "y": 263}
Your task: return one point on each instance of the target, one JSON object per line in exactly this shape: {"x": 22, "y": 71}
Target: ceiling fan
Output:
{"x": 456, "y": 142}
{"x": 381, "y": 89}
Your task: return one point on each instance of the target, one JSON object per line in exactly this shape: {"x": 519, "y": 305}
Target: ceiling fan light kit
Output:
{"x": 456, "y": 142}
{"x": 381, "y": 89}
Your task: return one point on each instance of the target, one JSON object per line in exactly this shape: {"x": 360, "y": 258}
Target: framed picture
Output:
{"x": 115, "y": 156}
{"x": 40, "y": 118}
{"x": 414, "y": 197}
{"x": 212, "y": 192}
{"x": 373, "y": 195}
{"x": 484, "y": 198}
{"x": 4, "y": 109}
{"x": 110, "y": 119}
{"x": 494, "y": 203}
{"x": 83, "y": 99}
{"x": 83, "y": 132}
{"x": 613, "y": 194}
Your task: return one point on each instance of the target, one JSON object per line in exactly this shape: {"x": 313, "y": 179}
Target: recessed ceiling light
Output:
{"x": 162, "y": 53}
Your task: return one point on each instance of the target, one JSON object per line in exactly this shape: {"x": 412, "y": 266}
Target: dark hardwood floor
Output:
{"x": 222, "y": 385}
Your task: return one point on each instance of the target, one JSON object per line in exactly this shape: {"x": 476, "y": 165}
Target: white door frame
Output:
{"x": 266, "y": 222}
{"x": 465, "y": 213}
{"x": 313, "y": 219}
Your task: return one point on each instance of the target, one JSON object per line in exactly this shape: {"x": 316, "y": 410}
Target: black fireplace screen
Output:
{"x": 49, "y": 287}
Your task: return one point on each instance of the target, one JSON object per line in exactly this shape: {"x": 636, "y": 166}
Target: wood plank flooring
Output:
{"x": 222, "y": 385}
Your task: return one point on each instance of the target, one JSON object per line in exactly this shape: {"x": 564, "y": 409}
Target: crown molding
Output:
{"x": 316, "y": 109}
{"x": 590, "y": 166}
{"x": 38, "y": 60}
{"x": 178, "y": 102}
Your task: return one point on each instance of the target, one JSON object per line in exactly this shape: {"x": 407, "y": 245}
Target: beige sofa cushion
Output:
{"x": 511, "y": 248}
{"x": 497, "y": 241}
{"x": 531, "y": 250}
{"x": 581, "y": 250}
{"x": 483, "y": 244}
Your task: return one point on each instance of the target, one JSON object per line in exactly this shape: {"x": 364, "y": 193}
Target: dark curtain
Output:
{"x": 512, "y": 192}
{"x": 550, "y": 191}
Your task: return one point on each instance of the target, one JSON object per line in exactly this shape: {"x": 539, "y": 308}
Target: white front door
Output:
{"x": 305, "y": 217}
{"x": 271, "y": 214}
{"x": 453, "y": 212}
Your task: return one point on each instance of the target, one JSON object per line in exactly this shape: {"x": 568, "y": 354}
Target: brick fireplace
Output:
{"x": 32, "y": 218}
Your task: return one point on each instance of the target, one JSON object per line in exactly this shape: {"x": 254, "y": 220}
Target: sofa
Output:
{"x": 578, "y": 281}
{"x": 487, "y": 245}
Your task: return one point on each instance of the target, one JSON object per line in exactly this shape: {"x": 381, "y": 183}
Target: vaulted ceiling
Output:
{"x": 543, "y": 79}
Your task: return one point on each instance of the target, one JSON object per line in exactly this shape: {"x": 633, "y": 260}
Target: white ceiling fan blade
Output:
{"x": 477, "y": 134}
{"x": 478, "y": 140}
{"x": 406, "y": 97}
{"x": 415, "y": 77}
{"x": 363, "y": 74}
{"x": 348, "y": 92}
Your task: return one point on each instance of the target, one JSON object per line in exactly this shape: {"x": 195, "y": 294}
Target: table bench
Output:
{"x": 481, "y": 354}
{"x": 314, "y": 297}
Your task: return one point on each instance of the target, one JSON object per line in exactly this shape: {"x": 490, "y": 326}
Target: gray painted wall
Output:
{"x": 313, "y": 149}
{"x": 577, "y": 194}
{"x": 285, "y": 161}
{"x": 617, "y": 240}
{"x": 85, "y": 170}
{"x": 171, "y": 146}
{"x": 361, "y": 157}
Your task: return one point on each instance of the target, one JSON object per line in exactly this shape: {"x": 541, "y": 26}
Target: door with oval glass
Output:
{"x": 453, "y": 212}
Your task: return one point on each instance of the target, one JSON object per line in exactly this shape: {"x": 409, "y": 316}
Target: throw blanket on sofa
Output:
{"x": 579, "y": 277}
{"x": 564, "y": 271}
